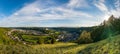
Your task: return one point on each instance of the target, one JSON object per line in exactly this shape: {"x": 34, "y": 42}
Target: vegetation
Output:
{"x": 102, "y": 39}
{"x": 4, "y": 39}
{"x": 85, "y": 38}
{"x": 39, "y": 39}
{"x": 31, "y": 38}
{"x": 106, "y": 29}
{"x": 107, "y": 46}
{"x": 102, "y": 47}
{"x": 58, "y": 48}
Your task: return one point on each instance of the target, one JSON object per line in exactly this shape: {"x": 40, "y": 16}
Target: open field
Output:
{"x": 34, "y": 39}
{"x": 101, "y": 47}
{"x": 110, "y": 45}
{"x": 4, "y": 39}
{"x": 58, "y": 48}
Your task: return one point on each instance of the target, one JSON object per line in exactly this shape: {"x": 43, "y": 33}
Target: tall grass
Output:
{"x": 104, "y": 47}
{"x": 4, "y": 39}
{"x": 58, "y": 48}
{"x": 8, "y": 46}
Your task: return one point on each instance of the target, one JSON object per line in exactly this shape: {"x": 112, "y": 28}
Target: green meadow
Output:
{"x": 107, "y": 46}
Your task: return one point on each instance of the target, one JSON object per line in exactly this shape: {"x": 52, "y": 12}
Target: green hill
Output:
{"x": 105, "y": 36}
{"x": 111, "y": 27}
{"x": 107, "y": 46}
{"x": 4, "y": 39}
{"x": 110, "y": 45}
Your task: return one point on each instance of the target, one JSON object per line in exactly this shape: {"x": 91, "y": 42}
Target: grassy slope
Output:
{"x": 108, "y": 46}
{"x": 4, "y": 39}
{"x": 58, "y": 48}
{"x": 102, "y": 47}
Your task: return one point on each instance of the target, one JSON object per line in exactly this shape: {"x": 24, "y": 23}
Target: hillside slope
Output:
{"x": 110, "y": 45}
{"x": 4, "y": 39}
{"x": 110, "y": 27}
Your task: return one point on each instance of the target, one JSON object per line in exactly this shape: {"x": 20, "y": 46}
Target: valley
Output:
{"x": 102, "y": 39}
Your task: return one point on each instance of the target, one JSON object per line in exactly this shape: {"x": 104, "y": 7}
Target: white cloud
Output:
{"x": 33, "y": 15}
{"x": 116, "y": 12}
{"x": 77, "y": 3}
{"x": 72, "y": 13}
{"x": 107, "y": 12}
{"x": 16, "y": 14}
{"x": 101, "y": 5}
{"x": 102, "y": 1}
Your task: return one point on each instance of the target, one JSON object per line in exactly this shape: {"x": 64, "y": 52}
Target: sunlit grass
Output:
{"x": 58, "y": 48}
{"x": 4, "y": 39}
{"x": 110, "y": 45}
{"x": 104, "y": 47}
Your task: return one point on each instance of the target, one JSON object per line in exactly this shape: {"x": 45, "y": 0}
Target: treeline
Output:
{"x": 108, "y": 28}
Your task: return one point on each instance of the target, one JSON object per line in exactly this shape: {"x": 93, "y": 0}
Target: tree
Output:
{"x": 85, "y": 37}
{"x": 53, "y": 40}
{"x": 54, "y": 35}
{"x": 40, "y": 41}
{"x": 108, "y": 28}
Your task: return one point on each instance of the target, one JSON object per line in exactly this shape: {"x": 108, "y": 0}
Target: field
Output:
{"x": 4, "y": 39}
{"x": 110, "y": 45}
{"x": 8, "y": 46}
{"x": 33, "y": 39}
{"x": 58, "y": 48}
{"x": 102, "y": 47}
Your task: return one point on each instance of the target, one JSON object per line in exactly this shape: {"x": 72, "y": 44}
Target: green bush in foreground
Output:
{"x": 85, "y": 38}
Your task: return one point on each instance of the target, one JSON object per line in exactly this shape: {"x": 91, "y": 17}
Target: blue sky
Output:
{"x": 56, "y": 13}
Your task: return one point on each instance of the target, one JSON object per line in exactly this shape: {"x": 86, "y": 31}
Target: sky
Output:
{"x": 56, "y": 13}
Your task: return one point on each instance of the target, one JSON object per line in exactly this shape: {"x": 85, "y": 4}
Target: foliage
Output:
{"x": 4, "y": 39}
{"x": 40, "y": 40}
{"x": 102, "y": 47}
{"x": 85, "y": 37}
{"x": 37, "y": 39}
{"x": 107, "y": 46}
{"x": 106, "y": 29}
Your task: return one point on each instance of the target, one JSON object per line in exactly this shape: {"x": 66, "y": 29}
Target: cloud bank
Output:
{"x": 49, "y": 14}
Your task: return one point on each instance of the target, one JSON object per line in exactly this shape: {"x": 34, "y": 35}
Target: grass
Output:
{"x": 4, "y": 39}
{"x": 58, "y": 48}
{"x": 32, "y": 38}
{"x": 107, "y": 46}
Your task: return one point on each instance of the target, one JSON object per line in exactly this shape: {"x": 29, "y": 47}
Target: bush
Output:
{"x": 40, "y": 41}
{"x": 85, "y": 37}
